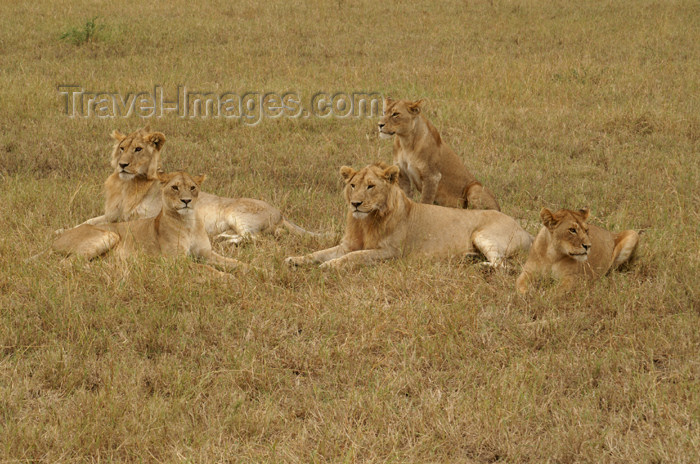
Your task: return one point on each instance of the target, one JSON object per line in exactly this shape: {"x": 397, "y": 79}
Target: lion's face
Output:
{"x": 569, "y": 232}
{"x": 180, "y": 191}
{"x": 399, "y": 117}
{"x": 367, "y": 190}
{"x": 137, "y": 154}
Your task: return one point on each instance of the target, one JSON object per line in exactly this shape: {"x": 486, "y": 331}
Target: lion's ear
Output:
{"x": 415, "y": 106}
{"x": 548, "y": 219}
{"x": 391, "y": 174}
{"x": 584, "y": 212}
{"x": 199, "y": 179}
{"x": 157, "y": 139}
{"x": 118, "y": 136}
{"x": 164, "y": 177}
{"x": 347, "y": 172}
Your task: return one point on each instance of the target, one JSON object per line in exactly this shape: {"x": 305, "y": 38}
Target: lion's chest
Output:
{"x": 408, "y": 163}
{"x": 566, "y": 267}
{"x": 178, "y": 242}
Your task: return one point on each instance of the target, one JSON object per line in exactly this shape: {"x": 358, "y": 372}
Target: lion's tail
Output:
{"x": 34, "y": 257}
{"x": 298, "y": 229}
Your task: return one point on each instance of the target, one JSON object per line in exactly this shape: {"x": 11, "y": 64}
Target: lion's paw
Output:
{"x": 294, "y": 261}
{"x": 332, "y": 264}
{"x": 497, "y": 264}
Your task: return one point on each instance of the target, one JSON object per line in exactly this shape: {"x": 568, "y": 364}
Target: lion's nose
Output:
{"x": 186, "y": 201}
{"x": 586, "y": 247}
{"x": 123, "y": 165}
{"x": 356, "y": 203}
{"x": 381, "y": 124}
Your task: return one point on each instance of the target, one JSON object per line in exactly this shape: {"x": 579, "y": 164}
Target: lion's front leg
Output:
{"x": 96, "y": 220}
{"x": 430, "y": 187}
{"x": 523, "y": 282}
{"x": 361, "y": 257}
{"x": 405, "y": 182}
{"x": 532, "y": 271}
{"x": 318, "y": 257}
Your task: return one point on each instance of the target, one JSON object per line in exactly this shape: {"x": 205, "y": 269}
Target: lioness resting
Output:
{"x": 568, "y": 248}
{"x": 383, "y": 223}
{"x": 176, "y": 230}
{"x": 132, "y": 191}
{"x": 427, "y": 162}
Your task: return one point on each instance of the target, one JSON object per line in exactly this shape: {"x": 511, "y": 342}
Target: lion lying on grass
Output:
{"x": 426, "y": 162}
{"x": 384, "y": 223}
{"x": 132, "y": 191}
{"x": 176, "y": 230}
{"x": 569, "y": 249}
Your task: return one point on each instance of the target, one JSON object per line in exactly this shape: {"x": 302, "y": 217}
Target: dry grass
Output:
{"x": 553, "y": 103}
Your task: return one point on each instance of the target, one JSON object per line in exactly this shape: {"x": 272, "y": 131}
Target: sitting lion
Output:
{"x": 427, "y": 162}
{"x": 132, "y": 191}
{"x": 176, "y": 230}
{"x": 384, "y": 223}
{"x": 568, "y": 249}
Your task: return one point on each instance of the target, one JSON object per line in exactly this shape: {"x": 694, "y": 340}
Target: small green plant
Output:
{"x": 81, "y": 35}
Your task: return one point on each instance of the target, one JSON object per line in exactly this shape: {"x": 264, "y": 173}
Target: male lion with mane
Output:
{"x": 426, "y": 162}
{"x": 132, "y": 191}
{"x": 383, "y": 223}
{"x": 570, "y": 249}
{"x": 176, "y": 230}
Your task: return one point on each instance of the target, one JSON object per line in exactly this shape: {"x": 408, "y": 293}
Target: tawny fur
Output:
{"x": 176, "y": 230}
{"x": 427, "y": 163}
{"x": 133, "y": 192}
{"x": 383, "y": 223}
{"x": 570, "y": 250}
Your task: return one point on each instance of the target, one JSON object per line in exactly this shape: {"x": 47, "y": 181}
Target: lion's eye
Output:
{"x": 573, "y": 231}
{"x": 192, "y": 188}
{"x": 137, "y": 149}
{"x": 370, "y": 187}
{"x": 121, "y": 148}
{"x": 174, "y": 187}
{"x": 352, "y": 185}
{"x": 395, "y": 115}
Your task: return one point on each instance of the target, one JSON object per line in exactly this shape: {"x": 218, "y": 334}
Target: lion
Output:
{"x": 569, "y": 249}
{"x": 176, "y": 230}
{"x": 132, "y": 191}
{"x": 427, "y": 163}
{"x": 383, "y": 223}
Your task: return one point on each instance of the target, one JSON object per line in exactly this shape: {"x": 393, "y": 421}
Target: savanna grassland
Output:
{"x": 550, "y": 103}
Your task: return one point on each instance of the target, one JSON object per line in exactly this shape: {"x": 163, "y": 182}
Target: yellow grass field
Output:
{"x": 550, "y": 103}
